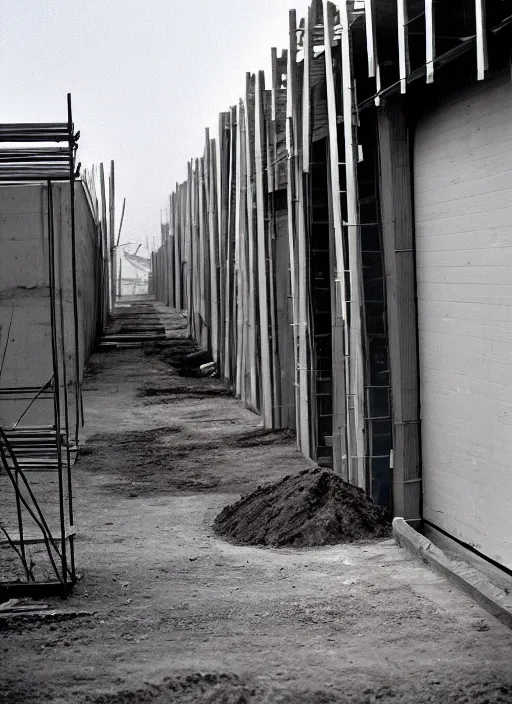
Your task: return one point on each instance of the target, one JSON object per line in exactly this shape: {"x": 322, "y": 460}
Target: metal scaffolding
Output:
{"x": 35, "y": 460}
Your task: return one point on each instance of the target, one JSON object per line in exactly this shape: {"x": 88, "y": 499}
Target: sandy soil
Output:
{"x": 178, "y": 615}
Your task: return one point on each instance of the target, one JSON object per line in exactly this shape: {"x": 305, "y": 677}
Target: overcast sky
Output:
{"x": 146, "y": 78}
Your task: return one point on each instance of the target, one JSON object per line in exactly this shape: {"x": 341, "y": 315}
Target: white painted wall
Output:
{"x": 463, "y": 202}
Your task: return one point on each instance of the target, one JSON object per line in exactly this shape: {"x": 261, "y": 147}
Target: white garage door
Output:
{"x": 463, "y": 201}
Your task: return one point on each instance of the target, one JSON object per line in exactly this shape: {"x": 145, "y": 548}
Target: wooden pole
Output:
{"x": 112, "y": 225}
{"x": 481, "y": 41}
{"x": 106, "y": 257}
{"x": 239, "y": 225}
{"x": 266, "y": 370}
{"x": 302, "y": 261}
{"x": 340, "y": 366}
{"x": 214, "y": 253}
{"x": 290, "y": 138}
{"x": 403, "y": 51}
{"x": 251, "y": 243}
{"x": 357, "y": 386}
{"x": 430, "y": 46}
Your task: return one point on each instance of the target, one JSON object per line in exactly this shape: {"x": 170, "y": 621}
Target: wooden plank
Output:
{"x": 203, "y": 259}
{"x": 112, "y": 228}
{"x": 291, "y": 151}
{"x": 371, "y": 45}
{"x": 106, "y": 256}
{"x": 340, "y": 364}
{"x": 398, "y": 246}
{"x": 306, "y": 97}
{"x": 403, "y": 51}
{"x": 229, "y": 352}
{"x": 481, "y": 40}
{"x": 251, "y": 243}
{"x": 239, "y": 250}
{"x": 214, "y": 252}
{"x": 266, "y": 369}
{"x": 302, "y": 264}
{"x": 189, "y": 250}
{"x": 430, "y": 45}
{"x": 223, "y": 174}
{"x": 357, "y": 360}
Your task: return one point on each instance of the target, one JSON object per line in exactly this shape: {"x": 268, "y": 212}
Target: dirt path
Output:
{"x": 181, "y": 616}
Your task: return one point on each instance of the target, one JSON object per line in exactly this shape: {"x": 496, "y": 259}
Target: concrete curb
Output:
{"x": 470, "y": 580}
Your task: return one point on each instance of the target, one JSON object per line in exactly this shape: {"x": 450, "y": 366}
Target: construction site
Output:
{"x": 266, "y": 457}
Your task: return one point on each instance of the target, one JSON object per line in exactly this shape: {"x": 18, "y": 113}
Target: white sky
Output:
{"x": 146, "y": 77}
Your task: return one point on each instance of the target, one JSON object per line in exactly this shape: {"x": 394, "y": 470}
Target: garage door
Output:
{"x": 463, "y": 202}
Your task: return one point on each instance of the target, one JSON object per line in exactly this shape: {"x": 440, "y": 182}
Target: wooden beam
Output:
{"x": 399, "y": 264}
{"x": 302, "y": 255}
{"x": 213, "y": 244}
{"x": 259, "y": 142}
{"x": 340, "y": 366}
{"x": 251, "y": 241}
{"x": 357, "y": 361}
{"x": 290, "y": 147}
{"x": 189, "y": 250}
{"x": 106, "y": 256}
{"x": 371, "y": 43}
{"x": 306, "y": 97}
{"x": 430, "y": 44}
{"x": 240, "y": 225}
{"x": 481, "y": 39}
{"x": 403, "y": 50}
{"x": 112, "y": 227}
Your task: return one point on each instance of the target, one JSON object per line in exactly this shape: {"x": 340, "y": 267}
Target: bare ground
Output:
{"x": 178, "y": 615}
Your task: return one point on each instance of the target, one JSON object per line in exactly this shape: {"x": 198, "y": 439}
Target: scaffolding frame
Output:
{"x": 27, "y": 451}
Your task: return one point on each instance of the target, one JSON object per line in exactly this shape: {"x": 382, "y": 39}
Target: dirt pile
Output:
{"x": 315, "y": 507}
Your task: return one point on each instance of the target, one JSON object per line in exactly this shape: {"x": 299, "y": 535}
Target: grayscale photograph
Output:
{"x": 256, "y": 352}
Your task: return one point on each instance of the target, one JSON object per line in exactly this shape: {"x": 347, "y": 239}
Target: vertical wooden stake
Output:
{"x": 370, "y": 37}
{"x": 340, "y": 365}
{"x": 357, "y": 385}
{"x": 266, "y": 371}
{"x": 251, "y": 242}
{"x": 290, "y": 148}
{"x": 430, "y": 47}
{"x": 402, "y": 43}
{"x": 481, "y": 40}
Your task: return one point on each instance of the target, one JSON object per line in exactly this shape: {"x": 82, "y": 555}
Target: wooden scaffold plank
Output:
{"x": 357, "y": 379}
{"x": 290, "y": 148}
{"x": 302, "y": 260}
{"x": 340, "y": 364}
{"x": 266, "y": 370}
{"x": 251, "y": 243}
{"x": 214, "y": 251}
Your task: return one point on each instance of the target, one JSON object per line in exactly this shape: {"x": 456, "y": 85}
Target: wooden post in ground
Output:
{"x": 357, "y": 376}
{"x": 214, "y": 249}
{"x": 302, "y": 265}
{"x": 251, "y": 243}
{"x": 259, "y": 143}
{"x": 240, "y": 227}
{"x": 106, "y": 257}
{"x": 340, "y": 364}
{"x": 112, "y": 241}
{"x": 399, "y": 263}
{"x": 291, "y": 194}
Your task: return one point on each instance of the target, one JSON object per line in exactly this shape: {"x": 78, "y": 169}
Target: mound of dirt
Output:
{"x": 315, "y": 507}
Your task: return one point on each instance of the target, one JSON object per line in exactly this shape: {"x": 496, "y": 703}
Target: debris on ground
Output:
{"x": 314, "y": 507}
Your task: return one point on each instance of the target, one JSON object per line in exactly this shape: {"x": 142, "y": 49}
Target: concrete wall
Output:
{"x": 25, "y": 323}
{"x": 463, "y": 194}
